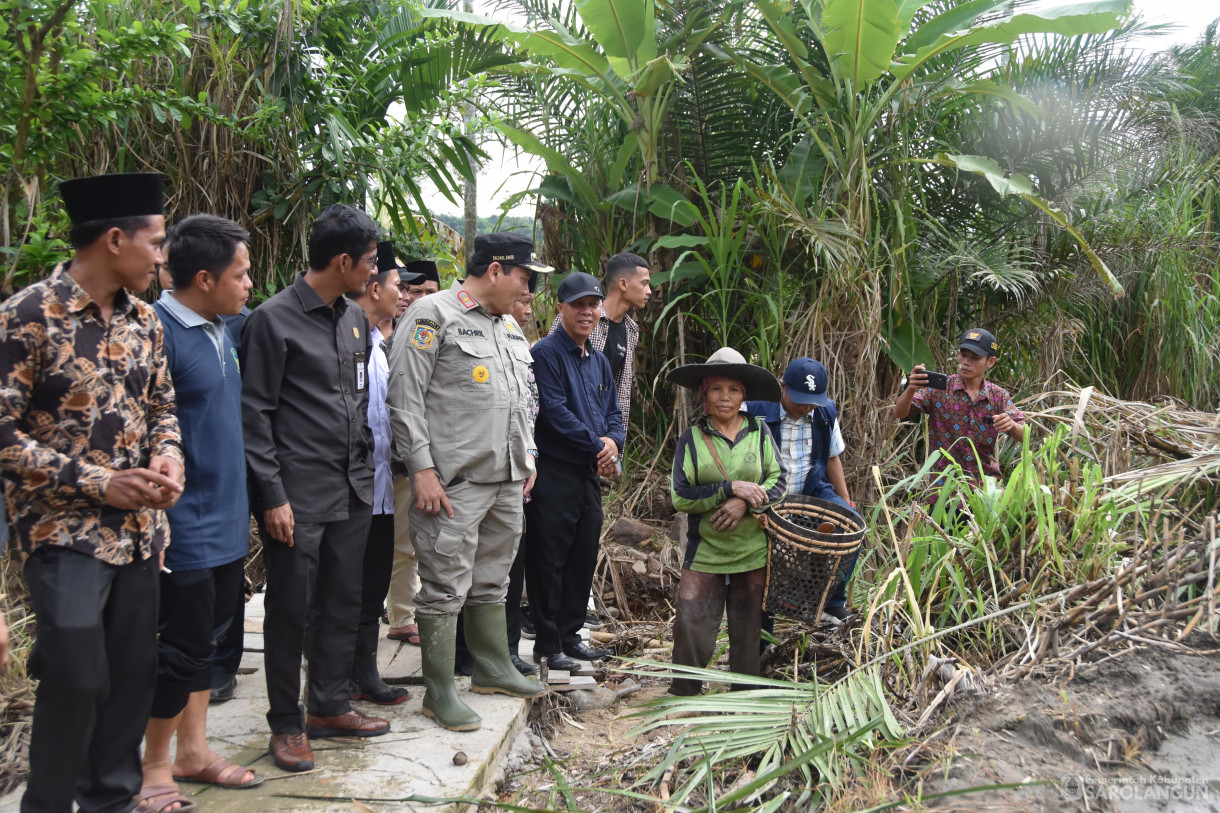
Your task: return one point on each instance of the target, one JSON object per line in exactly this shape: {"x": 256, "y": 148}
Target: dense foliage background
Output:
{"x": 855, "y": 181}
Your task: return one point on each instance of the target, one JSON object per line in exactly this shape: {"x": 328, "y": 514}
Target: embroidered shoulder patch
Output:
{"x": 467, "y": 300}
{"x": 424, "y": 333}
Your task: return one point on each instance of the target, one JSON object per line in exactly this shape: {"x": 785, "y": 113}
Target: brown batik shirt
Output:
{"x": 80, "y": 399}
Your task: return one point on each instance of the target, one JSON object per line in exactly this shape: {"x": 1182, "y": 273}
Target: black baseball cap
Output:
{"x": 508, "y": 249}
{"x": 106, "y": 197}
{"x": 980, "y": 341}
{"x": 578, "y": 284}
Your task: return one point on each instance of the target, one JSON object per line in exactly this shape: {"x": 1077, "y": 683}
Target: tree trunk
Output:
{"x": 470, "y": 189}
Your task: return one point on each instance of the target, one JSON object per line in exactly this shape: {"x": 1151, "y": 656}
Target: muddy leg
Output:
{"x": 744, "y": 606}
{"x": 700, "y": 608}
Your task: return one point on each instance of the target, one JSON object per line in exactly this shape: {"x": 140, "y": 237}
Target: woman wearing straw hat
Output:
{"x": 725, "y": 466}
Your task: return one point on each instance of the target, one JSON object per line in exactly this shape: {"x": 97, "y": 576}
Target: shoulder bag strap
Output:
{"x": 715, "y": 457}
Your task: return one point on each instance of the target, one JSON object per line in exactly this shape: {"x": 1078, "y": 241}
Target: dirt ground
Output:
{"x": 1139, "y": 731}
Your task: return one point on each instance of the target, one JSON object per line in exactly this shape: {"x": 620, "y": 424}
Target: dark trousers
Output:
{"x": 563, "y": 524}
{"x": 95, "y": 656}
{"x": 316, "y": 582}
{"x": 196, "y": 612}
{"x": 516, "y": 587}
{"x": 378, "y": 565}
{"x": 703, "y": 599}
{"x": 232, "y": 644}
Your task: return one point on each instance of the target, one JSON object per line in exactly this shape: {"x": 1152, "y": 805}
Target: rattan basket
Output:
{"x": 802, "y": 561}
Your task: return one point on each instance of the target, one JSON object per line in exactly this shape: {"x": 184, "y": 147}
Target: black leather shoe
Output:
{"x": 224, "y": 692}
{"x": 524, "y": 668}
{"x": 586, "y": 653}
{"x": 559, "y": 661}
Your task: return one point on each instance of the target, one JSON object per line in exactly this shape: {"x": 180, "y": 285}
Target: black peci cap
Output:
{"x": 426, "y": 269}
{"x": 387, "y": 261}
{"x": 107, "y": 197}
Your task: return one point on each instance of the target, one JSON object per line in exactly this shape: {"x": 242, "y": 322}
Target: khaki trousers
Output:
{"x": 464, "y": 559}
{"x": 404, "y": 578}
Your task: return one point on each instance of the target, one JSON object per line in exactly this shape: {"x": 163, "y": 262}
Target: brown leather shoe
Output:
{"x": 352, "y": 724}
{"x": 292, "y": 751}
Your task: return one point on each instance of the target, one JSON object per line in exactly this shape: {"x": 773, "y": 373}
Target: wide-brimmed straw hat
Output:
{"x": 727, "y": 362}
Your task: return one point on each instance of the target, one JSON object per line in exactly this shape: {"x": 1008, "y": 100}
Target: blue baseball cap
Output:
{"x": 806, "y": 381}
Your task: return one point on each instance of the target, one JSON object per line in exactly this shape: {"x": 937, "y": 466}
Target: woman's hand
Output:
{"x": 729, "y": 514}
{"x": 754, "y": 494}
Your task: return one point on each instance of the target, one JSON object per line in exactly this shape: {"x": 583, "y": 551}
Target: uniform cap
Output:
{"x": 508, "y": 249}
{"x": 979, "y": 341}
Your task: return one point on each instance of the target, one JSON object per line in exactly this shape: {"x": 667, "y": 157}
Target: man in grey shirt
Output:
{"x": 304, "y": 415}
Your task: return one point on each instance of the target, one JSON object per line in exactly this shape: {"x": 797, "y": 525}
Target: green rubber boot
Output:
{"x": 487, "y": 640}
{"x": 438, "y": 640}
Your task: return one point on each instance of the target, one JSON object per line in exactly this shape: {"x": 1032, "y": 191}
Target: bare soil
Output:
{"x": 1138, "y": 731}
{"x": 1106, "y": 738}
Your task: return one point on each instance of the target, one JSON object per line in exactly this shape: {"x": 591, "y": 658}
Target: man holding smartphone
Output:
{"x": 967, "y": 416}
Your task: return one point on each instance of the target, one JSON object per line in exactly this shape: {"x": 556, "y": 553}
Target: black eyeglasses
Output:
{"x": 370, "y": 260}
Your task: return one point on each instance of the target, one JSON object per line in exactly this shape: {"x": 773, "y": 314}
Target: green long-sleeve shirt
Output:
{"x": 698, "y": 487}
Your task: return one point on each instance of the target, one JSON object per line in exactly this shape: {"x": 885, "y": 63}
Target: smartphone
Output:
{"x": 937, "y": 381}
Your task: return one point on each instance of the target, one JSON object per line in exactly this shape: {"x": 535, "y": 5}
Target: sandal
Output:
{"x": 219, "y": 773}
{"x": 157, "y": 798}
{"x": 409, "y": 633}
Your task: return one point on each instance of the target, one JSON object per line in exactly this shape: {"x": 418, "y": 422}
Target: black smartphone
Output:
{"x": 937, "y": 381}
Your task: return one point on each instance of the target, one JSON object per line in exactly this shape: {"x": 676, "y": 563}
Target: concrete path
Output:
{"x": 415, "y": 758}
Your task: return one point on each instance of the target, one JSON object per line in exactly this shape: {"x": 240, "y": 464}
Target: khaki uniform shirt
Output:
{"x": 458, "y": 391}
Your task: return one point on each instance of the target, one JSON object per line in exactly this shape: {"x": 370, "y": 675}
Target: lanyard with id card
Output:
{"x": 361, "y": 360}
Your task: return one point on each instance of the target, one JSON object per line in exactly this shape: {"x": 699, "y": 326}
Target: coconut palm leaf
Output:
{"x": 775, "y": 722}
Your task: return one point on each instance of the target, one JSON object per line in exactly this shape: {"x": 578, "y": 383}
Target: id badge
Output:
{"x": 361, "y": 367}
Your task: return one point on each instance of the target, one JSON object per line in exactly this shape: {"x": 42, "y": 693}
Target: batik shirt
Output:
{"x": 81, "y": 398}
{"x": 955, "y": 421}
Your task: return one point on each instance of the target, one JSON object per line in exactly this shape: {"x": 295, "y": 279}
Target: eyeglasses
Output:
{"x": 370, "y": 260}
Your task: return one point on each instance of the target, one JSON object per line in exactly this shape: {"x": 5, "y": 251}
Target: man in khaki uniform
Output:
{"x": 459, "y": 382}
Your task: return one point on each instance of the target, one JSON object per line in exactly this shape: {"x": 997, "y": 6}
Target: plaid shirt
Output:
{"x": 622, "y": 381}
{"x": 80, "y": 399}
{"x": 954, "y": 422}
{"x": 796, "y": 449}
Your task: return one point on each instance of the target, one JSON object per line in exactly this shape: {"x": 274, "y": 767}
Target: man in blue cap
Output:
{"x": 806, "y": 428}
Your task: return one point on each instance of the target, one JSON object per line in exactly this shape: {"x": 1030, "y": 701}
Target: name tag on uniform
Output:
{"x": 361, "y": 379}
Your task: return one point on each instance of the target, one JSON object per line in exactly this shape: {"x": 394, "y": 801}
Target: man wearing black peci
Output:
{"x": 91, "y": 449}
{"x": 304, "y": 411}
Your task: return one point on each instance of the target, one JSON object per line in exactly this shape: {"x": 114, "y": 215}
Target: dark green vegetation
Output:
{"x": 856, "y": 180}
